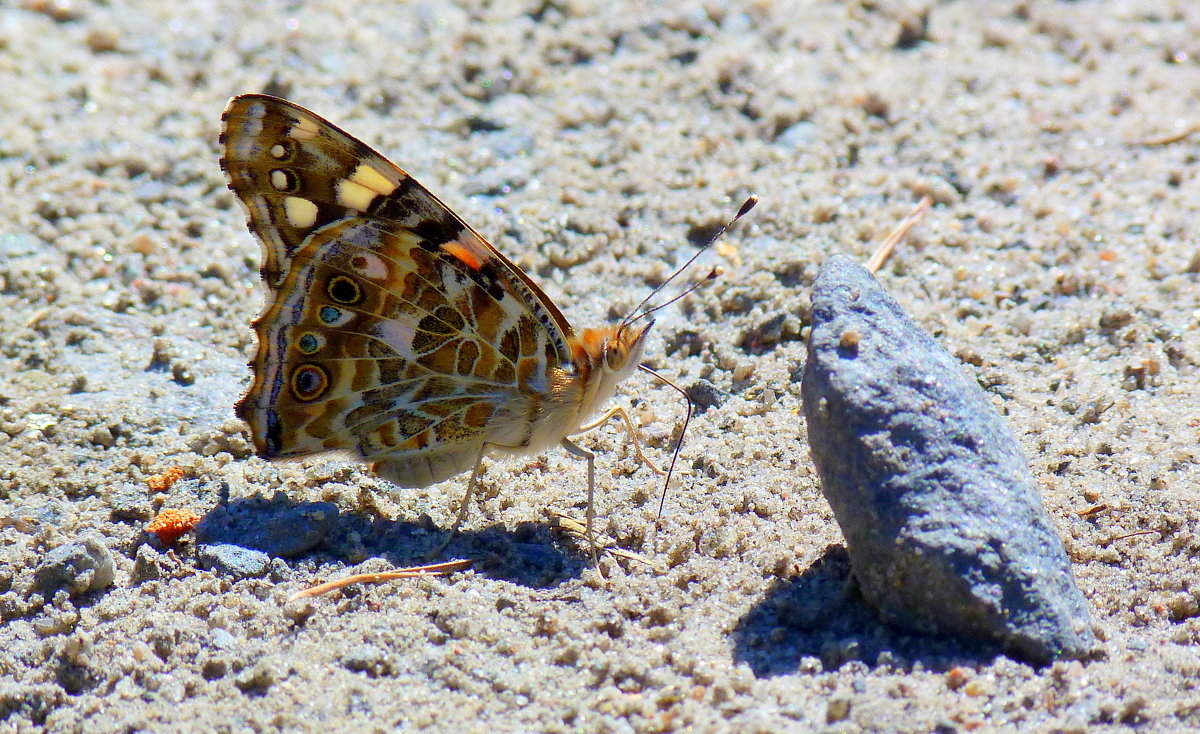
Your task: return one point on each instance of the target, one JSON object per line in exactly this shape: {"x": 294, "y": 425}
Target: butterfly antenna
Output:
{"x": 686, "y": 419}
{"x": 712, "y": 275}
{"x": 634, "y": 315}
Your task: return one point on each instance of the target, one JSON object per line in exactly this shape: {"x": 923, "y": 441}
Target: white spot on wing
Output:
{"x": 254, "y": 119}
{"x": 354, "y": 196}
{"x": 300, "y": 213}
{"x": 374, "y": 267}
{"x": 305, "y": 129}
{"x": 367, "y": 176}
{"x": 398, "y": 335}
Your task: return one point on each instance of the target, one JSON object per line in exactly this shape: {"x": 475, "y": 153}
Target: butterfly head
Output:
{"x": 623, "y": 349}
{"x": 616, "y": 350}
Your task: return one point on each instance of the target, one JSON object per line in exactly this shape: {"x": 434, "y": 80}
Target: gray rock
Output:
{"x": 223, "y": 639}
{"x": 704, "y": 395}
{"x": 129, "y": 502}
{"x": 799, "y": 135}
{"x": 79, "y": 567}
{"x": 367, "y": 658}
{"x": 148, "y": 565}
{"x": 234, "y": 560}
{"x": 943, "y": 522}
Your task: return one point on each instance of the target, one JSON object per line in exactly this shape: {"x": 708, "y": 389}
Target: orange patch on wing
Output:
{"x": 442, "y": 360}
{"x": 417, "y": 442}
{"x": 478, "y": 415}
{"x": 528, "y": 370}
{"x": 387, "y": 435}
{"x": 464, "y": 255}
{"x": 319, "y": 420}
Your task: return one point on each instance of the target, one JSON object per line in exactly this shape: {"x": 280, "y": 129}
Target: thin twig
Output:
{"x": 1093, "y": 510}
{"x": 884, "y": 251}
{"x": 1130, "y": 535}
{"x": 436, "y": 569}
{"x": 1168, "y": 139}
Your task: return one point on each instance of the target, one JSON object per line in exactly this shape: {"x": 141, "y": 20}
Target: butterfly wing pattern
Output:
{"x": 392, "y": 330}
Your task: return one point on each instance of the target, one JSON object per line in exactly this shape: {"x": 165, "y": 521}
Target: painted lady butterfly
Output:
{"x": 394, "y": 331}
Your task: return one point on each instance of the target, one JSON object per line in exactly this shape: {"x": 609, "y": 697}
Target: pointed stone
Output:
{"x": 942, "y": 518}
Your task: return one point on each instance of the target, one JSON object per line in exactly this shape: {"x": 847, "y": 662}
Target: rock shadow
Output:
{"x": 818, "y": 621}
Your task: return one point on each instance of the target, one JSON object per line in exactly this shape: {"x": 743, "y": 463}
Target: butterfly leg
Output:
{"x": 578, "y": 451}
{"x": 618, "y": 411}
{"x": 465, "y": 507}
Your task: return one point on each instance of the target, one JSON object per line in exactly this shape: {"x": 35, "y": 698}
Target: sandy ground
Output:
{"x": 596, "y": 144}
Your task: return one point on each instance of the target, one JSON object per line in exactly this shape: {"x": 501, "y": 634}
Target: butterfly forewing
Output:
{"x": 391, "y": 328}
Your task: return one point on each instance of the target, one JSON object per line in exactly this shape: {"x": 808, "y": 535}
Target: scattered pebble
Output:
{"x": 765, "y": 336}
{"x": 256, "y": 679}
{"x": 223, "y": 640}
{"x": 129, "y": 502}
{"x": 61, "y": 11}
{"x": 102, "y": 436}
{"x": 943, "y": 522}
{"x": 234, "y": 560}
{"x": 103, "y": 40}
{"x": 366, "y": 658}
{"x": 704, "y": 395}
{"x": 78, "y": 567}
{"x": 14, "y": 245}
{"x": 148, "y": 565}
{"x": 838, "y": 709}
{"x": 957, "y": 678}
{"x": 799, "y": 135}
{"x": 743, "y": 371}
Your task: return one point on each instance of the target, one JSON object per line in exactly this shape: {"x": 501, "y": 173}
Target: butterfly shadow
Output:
{"x": 320, "y": 533}
{"x": 818, "y": 621}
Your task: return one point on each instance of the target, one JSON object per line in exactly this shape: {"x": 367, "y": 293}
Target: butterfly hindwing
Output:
{"x": 392, "y": 329}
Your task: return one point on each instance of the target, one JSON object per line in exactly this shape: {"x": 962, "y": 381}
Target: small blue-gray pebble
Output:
{"x": 234, "y": 560}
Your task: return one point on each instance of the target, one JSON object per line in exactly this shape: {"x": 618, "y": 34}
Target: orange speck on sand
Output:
{"x": 170, "y": 524}
{"x": 730, "y": 253}
{"x": 166, "y": 480}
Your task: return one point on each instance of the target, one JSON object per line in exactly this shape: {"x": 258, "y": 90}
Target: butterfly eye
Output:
{"x": 309, "y": 382}
{"x": 310, "y": 343}
{"x": 330, "y": 315}
{"x": 615, "y": 355}
{"x": 344, "y": 290}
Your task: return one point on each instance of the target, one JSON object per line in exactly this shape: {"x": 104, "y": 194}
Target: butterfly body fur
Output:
{"x": 392, "y": 330}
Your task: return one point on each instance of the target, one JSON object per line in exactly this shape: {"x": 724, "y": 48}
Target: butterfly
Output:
{"x": 392, "y": 330}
